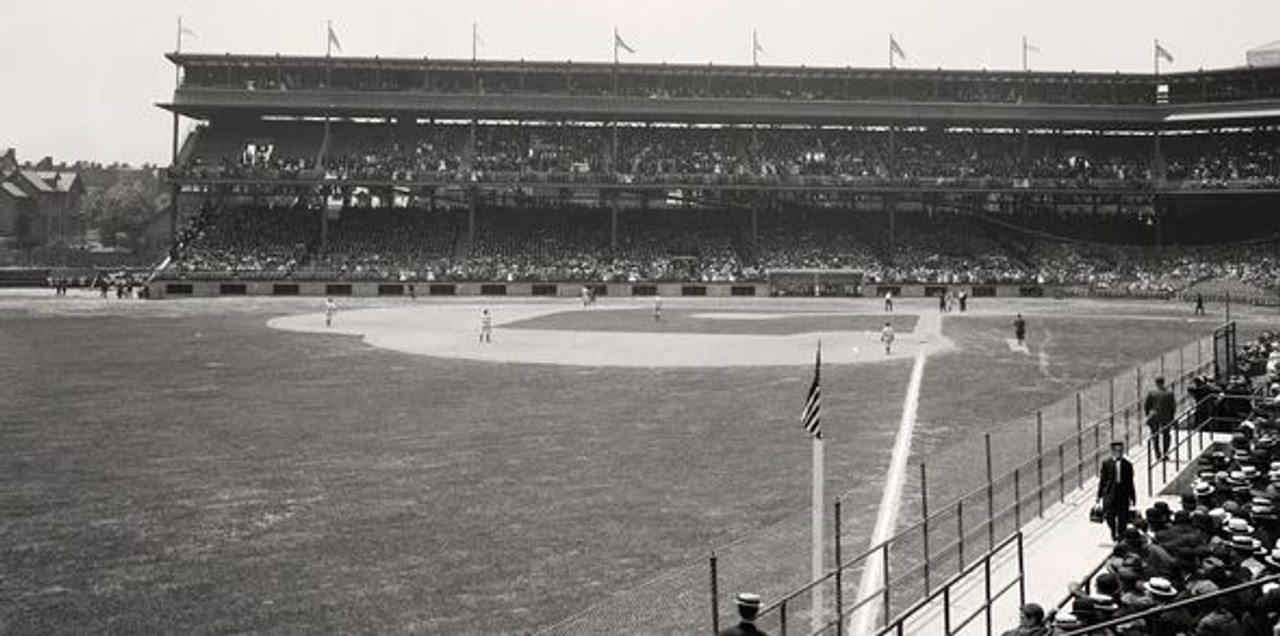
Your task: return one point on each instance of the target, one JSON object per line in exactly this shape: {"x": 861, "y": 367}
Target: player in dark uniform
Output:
{"x": 1020, "y": 329}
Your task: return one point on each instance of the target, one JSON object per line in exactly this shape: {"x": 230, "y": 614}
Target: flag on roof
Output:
{"x": 619, "y": 43}
{"x": 1164, "y": 53}
{"x": 895, "y": 49}
{"x": 333, "y": 39}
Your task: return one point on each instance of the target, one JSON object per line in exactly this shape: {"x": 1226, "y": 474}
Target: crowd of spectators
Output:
{"x": 549, "y": 243}
{"x": 740, "y": 154}
{"x": 1222, "y": 533}
{"x": 259, "y": 241}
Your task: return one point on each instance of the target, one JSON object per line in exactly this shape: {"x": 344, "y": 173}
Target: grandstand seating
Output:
{"x": 386, "y": 169}
{"x": 572, "y": 244}
{"x": 446, "y": 151}
{"x": 1221, "y": 535}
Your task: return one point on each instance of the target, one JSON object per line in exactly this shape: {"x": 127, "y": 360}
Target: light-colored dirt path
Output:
{"x": 451, "y": 331}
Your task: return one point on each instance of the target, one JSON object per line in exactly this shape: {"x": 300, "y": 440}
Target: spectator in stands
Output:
{"x": 748, "y": 608}
{"x": 1116, "y": 491}
{"x": 1031, "y": 622}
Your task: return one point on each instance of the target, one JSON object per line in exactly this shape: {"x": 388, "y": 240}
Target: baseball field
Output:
{"x": 233, "y": 465}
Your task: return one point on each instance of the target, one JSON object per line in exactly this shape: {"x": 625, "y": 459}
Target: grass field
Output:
{"x": 178, "y": 467}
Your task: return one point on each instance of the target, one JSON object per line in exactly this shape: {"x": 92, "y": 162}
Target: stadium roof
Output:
{"x": 1269, "y": 46}
{"x": 560, "y": 66}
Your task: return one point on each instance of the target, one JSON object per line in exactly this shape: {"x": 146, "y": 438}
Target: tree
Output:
{"x": 119, "y": 212}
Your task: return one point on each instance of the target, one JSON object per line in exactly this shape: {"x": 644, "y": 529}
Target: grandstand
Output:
{"x": 488, "y": 174}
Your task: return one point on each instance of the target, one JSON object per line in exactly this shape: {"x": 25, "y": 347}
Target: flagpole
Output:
{"x": 891, "y": 51}
{"x": 1024, "y": 54}
{"x": 818, "y": 613}
{"x": 1155, "y": 51}
{"x": 755, "y": 47}
{"x": 474, "y": 38}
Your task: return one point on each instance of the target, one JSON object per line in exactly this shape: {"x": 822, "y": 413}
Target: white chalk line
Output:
{"x": 863, "y": 621}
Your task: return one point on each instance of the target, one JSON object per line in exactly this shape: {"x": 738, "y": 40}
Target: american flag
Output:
{"x": 813, "y": 403}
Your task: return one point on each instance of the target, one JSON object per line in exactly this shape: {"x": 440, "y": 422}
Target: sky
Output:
{"x": 82, "y": 77}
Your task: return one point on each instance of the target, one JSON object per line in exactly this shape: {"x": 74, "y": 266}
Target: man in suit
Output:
{"x": 1116, "y": 493}
{"x": 748, "y": 608}
{"x": 1160, "y": 408}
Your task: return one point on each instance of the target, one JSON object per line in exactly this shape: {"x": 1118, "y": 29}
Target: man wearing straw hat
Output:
{"x": 748, "y": 608}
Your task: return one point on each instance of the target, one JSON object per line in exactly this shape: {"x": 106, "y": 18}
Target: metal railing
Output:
{"x": 989, "y": 596}
{"x": 943, "y": 542}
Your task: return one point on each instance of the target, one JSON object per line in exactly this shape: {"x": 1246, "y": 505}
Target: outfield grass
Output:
{"x": 180, "y": 468}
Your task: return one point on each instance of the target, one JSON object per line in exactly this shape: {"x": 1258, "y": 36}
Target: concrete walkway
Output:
{"x": 1059, "y": 548}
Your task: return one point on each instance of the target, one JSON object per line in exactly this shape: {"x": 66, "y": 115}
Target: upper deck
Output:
{"x": 256, "y": 85}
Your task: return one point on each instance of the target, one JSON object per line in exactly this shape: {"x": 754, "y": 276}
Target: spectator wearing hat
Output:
{"x": 1199, "y": 391}
{"x": 1160, "y": 407}
{"x": 1116, "y": 491}
{"x": 1218, "y": 622}
{"x": 1156, "y": 561}
{"x": 1030, "y": 622}
{"x": 748, "y": 609}
{"x": 1174, "y": 621}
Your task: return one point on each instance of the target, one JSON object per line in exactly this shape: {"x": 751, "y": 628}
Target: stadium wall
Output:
{"x": 209, "y": 288}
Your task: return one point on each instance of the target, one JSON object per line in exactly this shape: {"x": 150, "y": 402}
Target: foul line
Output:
{"x": 864, "y": 620}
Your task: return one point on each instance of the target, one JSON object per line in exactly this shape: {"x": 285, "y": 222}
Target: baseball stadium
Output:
{"x": 472, "y": 346}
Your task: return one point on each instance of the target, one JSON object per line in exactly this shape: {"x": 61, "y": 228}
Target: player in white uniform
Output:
{"x": 888, "y": 301}
{"x": 330, "y": 309}
{"x": 486, "y": 327}
{"x": 657, "y": 308}
{"x": 886, "y": 337}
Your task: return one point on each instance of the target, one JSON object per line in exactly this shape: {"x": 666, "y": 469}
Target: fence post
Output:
{"x": 946, "y": 609}
{"x": 1161, "y": 364}
{"x": 782, "y": 618}
{"x": 1079, "y": 443}
{"x": 991, "y": 498}
{"x": 1022, "y": 574}
{"x": 1182, "y": 367}
{"x": 1040, "y": 462}
{"x": 884, "y": 563}
{"x": 986, "y": 587}
{"x": 715, "y": 599}
{"x": 1151, "y": 464}
{"x": 1097, "y": 446}
{"x": 1111, "y": 404}
{"x": 924, "y": 514}
{"x": 1062, "y": 475}
{"x": 960, "y": 527}
{"x": 1137, "y": 392}
{"x": 839, "y": 578}
{"x": 1017, "y": 498}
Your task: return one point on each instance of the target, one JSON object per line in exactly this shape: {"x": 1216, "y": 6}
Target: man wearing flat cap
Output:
{"x": 748, "y": 608}
{"x": 1116, "y": 492}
